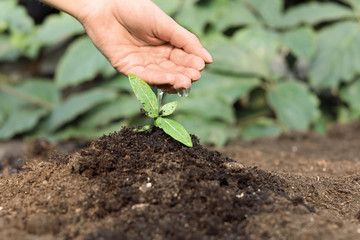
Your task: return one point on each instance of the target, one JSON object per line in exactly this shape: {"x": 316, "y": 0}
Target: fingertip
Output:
{"x": 206, "y": 56}
{"x": 199, "y": 64}
{"x": 170, "y": 79}
{"x": 182, "y": 82}
{"x": 194, "y": 75}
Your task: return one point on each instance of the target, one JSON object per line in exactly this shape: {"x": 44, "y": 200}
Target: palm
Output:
{"x": 144, "y": 43}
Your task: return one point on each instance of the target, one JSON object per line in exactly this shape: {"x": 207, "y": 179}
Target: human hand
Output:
{"x": 138, "y": 37}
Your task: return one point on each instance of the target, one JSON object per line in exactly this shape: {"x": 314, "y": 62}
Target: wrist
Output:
{"x": 76, "y": 8}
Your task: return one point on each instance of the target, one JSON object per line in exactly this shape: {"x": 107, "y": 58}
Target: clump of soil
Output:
{"x": 129, "y": 185}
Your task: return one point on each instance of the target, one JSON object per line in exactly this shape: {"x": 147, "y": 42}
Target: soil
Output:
{"x": 129, "y": 185}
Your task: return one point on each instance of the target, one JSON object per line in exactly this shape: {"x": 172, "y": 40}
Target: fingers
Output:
{"x": 168, "y": 30}
{"x": 181, "y": 58}
{"x": 190, "y": 73}
{"x": 157, "y": 77}
{"x": 182, "y": 38}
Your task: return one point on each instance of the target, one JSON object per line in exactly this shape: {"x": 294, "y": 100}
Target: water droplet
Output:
{"x": 180, "y": 93}
{"x": 184, "y": 92}
{"x": 160, "y": 95}
{"x": 187, "y": 92}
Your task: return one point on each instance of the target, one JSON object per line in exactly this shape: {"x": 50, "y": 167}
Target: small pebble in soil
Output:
{"x": 140, "y": 206}
{"x": 240, "y": 195}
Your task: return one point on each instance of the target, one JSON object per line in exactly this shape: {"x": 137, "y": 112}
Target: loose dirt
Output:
{"x": 129, "y": 185}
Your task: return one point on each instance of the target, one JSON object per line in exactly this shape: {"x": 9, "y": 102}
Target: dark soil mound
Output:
{"x": 129, "y": 185}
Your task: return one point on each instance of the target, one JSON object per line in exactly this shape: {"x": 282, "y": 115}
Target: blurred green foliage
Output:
{"x": 275, "y": 68}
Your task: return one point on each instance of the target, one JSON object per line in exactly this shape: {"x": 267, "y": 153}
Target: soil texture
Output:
{"x": 131, "y": 185}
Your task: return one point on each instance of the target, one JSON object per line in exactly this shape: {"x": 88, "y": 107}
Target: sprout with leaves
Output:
{"x": 150, "y": 106}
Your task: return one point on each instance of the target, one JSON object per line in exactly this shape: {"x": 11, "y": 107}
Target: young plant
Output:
{"x": 151, "y": 108}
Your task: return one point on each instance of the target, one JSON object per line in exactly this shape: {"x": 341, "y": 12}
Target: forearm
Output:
{"x": 72, "y": 7}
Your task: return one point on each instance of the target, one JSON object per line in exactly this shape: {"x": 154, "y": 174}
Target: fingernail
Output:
{"x": 207, "y": 56}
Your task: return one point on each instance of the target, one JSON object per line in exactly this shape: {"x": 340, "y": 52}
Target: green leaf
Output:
{"x": 295, "y": 106}
{"x": 21, "y": 120}
{"x": 120, "y": 82}
{"x": 33, "y": 92}
{"x": 346, "y": 115}
{"x": 212, "y": 100}
{"x": 314, "y": 13}
{"x": 260, "y": 43}
{"x": 208, "y": 106}
{"x": 145, "y": 95}
{"x": 123, "y": 107}
{"x": 196, "y": 16}
{"x": 57, "y": 28}
{"x": 231, "y": 58}
{"x": 355, "y": 4}
{"x": 175, "y": 130}
{"x": 2, "y": 116}
{"x": 169, "y": 7}
{"x": 351, "y": 95}
{"x": 261, "y": 127}
{"x": 15, "y": 17}
{"x": 301, "y": 42}
{"x": 168, "y": 109}
{"x": 72, "y": 132}
{"x": 236, "y": 14}
{"x": 230, "y": 89}
{"x": 209, "y": 131}
{"x": 8, "y": 52}
{"x": 338, "y": 55}
{"x": 76, "y": 105}
{"x": 249, "y": 52}
{"x": 321, "y": 124}
{"x": 81, "y": 62}
{"x": 268, "y": 10}
{"x": 41, "y": 88}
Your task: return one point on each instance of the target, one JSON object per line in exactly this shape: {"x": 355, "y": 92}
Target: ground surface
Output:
{"x": 146, "y": 186}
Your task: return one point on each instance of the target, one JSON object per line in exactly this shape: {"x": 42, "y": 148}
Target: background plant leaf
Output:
{"x": 195, "y": 17}
{"x": 76, "y": 105}
{"x": 269, "y": 10}
{"x": 57, "y": 28}
{"x": 351, "y": 95}
{"x": 262, "y": 127}
{"x": 20, "y": 120}
{"x": 338, "y": 55}
{"x": 73, "y": 132}
{"x": 169, "y": 7}
{"x": 235, "y": 15}
{"x": 14, "y": 17}
{"x": 295, "y": 106}
{"x": 215, "y": 132}
{"x": 8, "y": 52}
{"x": 314, "y": 13}
{"x": 122, "y": 107}
{"x": 301, "y": 42}
{"x": 81, "y": 62}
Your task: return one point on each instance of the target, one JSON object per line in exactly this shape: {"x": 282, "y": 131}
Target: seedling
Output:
{"x": 151, "y": 109}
